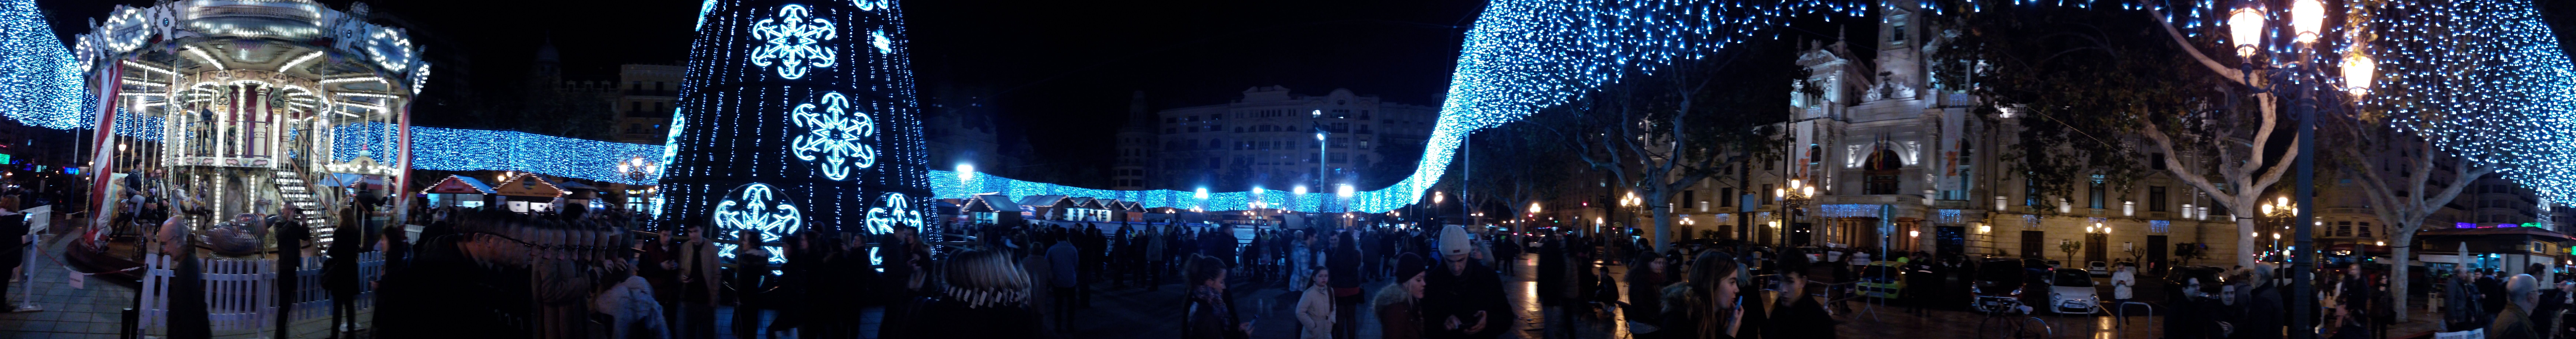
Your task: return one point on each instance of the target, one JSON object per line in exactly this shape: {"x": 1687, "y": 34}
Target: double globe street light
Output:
{"x": 2300, "y": 71}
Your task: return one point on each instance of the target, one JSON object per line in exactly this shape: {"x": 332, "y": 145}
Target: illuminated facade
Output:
{"x": 1898, "y": 162}
{"x": 1268, "y": 139}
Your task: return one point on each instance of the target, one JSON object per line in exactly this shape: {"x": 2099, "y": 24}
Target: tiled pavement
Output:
{"x": 93, "y": 311}
{"x": 88, "y": 312}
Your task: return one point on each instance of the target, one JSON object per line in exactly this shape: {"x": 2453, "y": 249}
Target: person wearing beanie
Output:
{"x": 1462, "y": 298}
{"x": 1399, "y": 307}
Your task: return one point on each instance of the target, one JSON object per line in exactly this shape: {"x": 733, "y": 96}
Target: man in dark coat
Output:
{"x": 1462, "y": 298}
{"x": 1800, "y": 314}
{"x": 188, "y": 314}
{"x": 291, "y": 235}
{"x": 2264, "y": 314}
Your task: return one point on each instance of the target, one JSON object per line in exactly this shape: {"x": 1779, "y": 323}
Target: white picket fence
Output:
{"x": 241, "y": 294}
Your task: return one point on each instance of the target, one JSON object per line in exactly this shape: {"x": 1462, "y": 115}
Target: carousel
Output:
{"x": 230, "y": 109}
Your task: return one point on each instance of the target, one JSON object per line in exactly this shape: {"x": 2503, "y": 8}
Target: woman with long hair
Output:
{"x": 1315, "y": 308}
{"x": 1708, "y": 306}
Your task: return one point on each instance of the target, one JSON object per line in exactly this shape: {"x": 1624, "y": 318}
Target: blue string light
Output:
{"x": 39, "y": 83}
{"x": 2484, "y": 80}
{"x": 475, "y": 150}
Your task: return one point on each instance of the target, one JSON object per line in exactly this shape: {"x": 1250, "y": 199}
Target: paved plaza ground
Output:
{"x": 1134, "y": 312}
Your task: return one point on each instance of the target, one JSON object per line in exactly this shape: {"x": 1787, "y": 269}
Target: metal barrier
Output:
{"x": 2122, "y": 311}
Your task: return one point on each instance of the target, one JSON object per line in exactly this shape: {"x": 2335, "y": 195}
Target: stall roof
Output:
{"x": 1040, "y": 200}
{"x": 459, "y": 184}
{"x": 529, "y": 185}
{"x": 992, "y": 202}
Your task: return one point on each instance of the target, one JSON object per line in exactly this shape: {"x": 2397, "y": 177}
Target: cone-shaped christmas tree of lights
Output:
{"x": 796, "y": 115}
{"x": 38, "y": 84}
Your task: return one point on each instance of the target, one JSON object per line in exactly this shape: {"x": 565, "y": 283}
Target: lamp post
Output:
{"x": 2299, "y": 73}
{"x": 1792, "y": 197}
{"x": 2278, "y": 212}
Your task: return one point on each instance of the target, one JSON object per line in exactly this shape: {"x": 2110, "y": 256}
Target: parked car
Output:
{"x": 2053, "y": 264}
{"x": 2097, "y": 268}
{"x": 1998, "y": 284}
{"x": 1882, "y": 279}
{"x": 2070, "y": 291}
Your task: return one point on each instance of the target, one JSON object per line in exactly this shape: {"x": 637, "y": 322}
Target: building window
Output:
{"x": 2365, "y": 229}
{"x": 1726, "y": 197}
{"x": 2095, "y": 193}
{"x": 2155, "y": 198}
{"x": 1766, "y": 200}
{"x": 2343, "y": 228}
{"x": 2029, "y": 192}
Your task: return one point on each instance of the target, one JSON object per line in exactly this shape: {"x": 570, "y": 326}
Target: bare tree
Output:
{"x": 1663, "y": 133}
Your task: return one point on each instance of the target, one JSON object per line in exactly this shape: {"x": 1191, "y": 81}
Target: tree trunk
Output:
{"x": 2245, "y": 240}
{"x": 2397, "y": 292}
{"x": 1663, "y": 224}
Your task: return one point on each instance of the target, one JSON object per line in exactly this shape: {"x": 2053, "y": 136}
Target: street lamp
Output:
{"x": 1791, "y": 197}
{"x": 2301, "y": 75}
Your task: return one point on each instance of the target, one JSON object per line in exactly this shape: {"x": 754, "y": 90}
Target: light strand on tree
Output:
{"x": 39, "y": 83}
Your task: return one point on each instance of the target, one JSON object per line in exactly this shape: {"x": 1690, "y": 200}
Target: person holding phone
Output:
{"x": 1462, "y": 297}
{"x": 1709, "y": 305}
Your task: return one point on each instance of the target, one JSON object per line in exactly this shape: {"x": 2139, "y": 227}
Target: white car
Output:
{"x": 2070, "y": 291}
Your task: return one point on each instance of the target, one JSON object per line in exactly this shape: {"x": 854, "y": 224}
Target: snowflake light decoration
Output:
{"x": 870, "y": 5}
{"x": 895, "y": 210}
{"x": 794, "y": 42}
{"x": 836, "y": 134}
{"x": 884, "y": 46}
{"x": 759, "y": 208}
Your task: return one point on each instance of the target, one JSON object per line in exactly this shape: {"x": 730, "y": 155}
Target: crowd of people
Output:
{"x": 484, "y": 272}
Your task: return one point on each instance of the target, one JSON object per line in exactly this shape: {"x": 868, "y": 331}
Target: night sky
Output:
{"x": 1056, "y": 73}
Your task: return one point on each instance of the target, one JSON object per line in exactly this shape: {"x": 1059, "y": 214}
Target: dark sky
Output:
{"x": 1057, "y": 72}
{"x": 1062, "y": 71}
